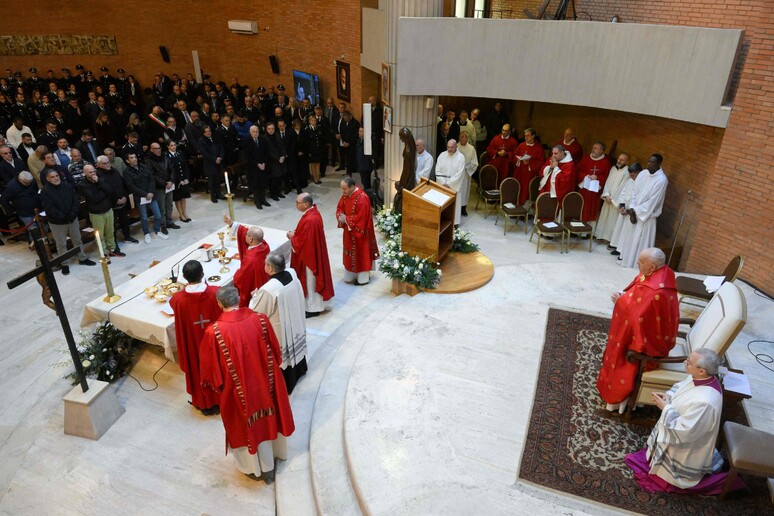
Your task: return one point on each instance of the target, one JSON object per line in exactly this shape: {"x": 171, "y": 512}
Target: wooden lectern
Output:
{"x": 428, "y": 220}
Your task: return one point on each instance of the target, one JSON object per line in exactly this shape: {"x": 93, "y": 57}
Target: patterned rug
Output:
{"x": 573, "y": 445}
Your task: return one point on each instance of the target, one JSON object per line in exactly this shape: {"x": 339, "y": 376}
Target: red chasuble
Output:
{"x": 525, "y": 171}
{"x": 360, "y": 248}
{"x": 574, "y": 148}
{"x": 645, "y": 320}
{"x": 310, "y": 250}
{"x": 194, "y": 313}
{"x": 251, "y": 273}
{"x": 592, "y": 201}
{"x": 241, "y": 360}
{"x": 502, "y": 163}
{"x": 565, "y": 180}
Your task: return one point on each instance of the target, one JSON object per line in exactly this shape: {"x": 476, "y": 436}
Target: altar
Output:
{"x": 148, "y": 320}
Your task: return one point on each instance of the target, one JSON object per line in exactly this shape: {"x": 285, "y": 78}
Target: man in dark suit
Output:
{"x": 212, "y": 154}
{"x": 255, "y": 159}
{"x": 50, "y": 136}
{"x": 377, "y": 130}
{"x": 276, "y": 160}
{"x": 89, "y": 148}
{"x": 10, "y": 166}
{"x": 348, "y": 130}
{"x": 26, "y": 147}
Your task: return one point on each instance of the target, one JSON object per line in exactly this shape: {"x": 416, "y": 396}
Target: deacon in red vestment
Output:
{"x": 558, "y": 174}
{"x": 195, "y": 310}
{"x": 645, "y": 320}
{"x": 251, "y": 274}
{"x": 594, "y": 166}
{"x": 571, "y": 144}
{"x": 310, "y": 254}
{"x": 359, "y": 248}
{"x": 502, "y": 148}
{"x": 528, "y": 160}
{"x": 241, "y": 360}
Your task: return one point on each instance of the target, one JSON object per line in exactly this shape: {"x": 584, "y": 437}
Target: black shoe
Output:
{"x": 610, "y": 248}
{"x": 357, "y": 284}
{"x": 464, "y": 212}
{"x": 259, "y": 206}
{"x": 222, "y": 197}
{"x": 172, "y": 225}
{"x": 185, "y": 220}
{"x": 312, "y": 314}
{"x": 65, "y": 269}
{"x": 275, "y": 198}
{"x": 164, "y": 228}
{"x": 132, "y": 240}
{"x": 1, "y": 242}
{"x": 299, "y": 191}
{"x": 281, "y": 196}
{"x": 615, "y": 253}
{"x": 211, "y": 411}
{"x": 266, "y": 204}
{"x": 214, "y": 200}
{"x": 116, "y": 252}
{"x": 87, "y": 262}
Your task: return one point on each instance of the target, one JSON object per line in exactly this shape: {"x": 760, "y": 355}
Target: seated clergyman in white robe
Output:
{"x": 450, "y": 171}
{"x": 282, "y": 300}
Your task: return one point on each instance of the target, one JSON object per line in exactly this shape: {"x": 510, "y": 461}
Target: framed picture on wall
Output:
{"x": 387, "y": 115}
{"x": 343, "y": 87}
{"x": 386, "y": 84}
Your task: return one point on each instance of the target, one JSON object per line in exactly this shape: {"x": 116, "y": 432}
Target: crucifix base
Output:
{"x": 90, "y": 414}
{"x": 111, "y": 299}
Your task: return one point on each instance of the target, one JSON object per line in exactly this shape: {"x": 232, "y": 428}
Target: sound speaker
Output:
{"x": 164, "y": 54}
{"x": 274, "y": 64}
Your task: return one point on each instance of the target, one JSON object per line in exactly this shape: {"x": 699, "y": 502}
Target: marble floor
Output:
{"x": 411, "y": 405}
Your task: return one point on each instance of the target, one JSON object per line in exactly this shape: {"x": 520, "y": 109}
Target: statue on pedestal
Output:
{"x": 408, "y": 175}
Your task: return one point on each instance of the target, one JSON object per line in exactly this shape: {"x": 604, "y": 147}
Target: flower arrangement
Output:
{"x": 106, "y": 353}
{"x": 408, "y": 268}
{"x": 388, "y": 223}
{"x": 462, "y": 243}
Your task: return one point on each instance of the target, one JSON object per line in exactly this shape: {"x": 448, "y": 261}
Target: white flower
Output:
{"x": 86, "y": 363}
{"x": 421, "y": 266}
{"x": 108, "y": 372}
{"x": 91, "y": 357}
{"x": 439, "y": 272}
{"x": 104, "y": 349}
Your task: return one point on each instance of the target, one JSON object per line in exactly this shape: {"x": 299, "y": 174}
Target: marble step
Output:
{"x": 333, "y": 489}
{"x": 293, "y": 486}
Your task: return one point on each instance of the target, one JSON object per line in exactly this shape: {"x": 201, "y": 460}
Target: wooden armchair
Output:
{"x": 572, "y": 208}
{"x": 694, "y": 288}
{"x": 509, "y": 204}
{"x": 716, "y": 328}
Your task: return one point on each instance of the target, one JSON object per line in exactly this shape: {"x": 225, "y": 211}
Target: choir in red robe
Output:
{"x": 592, "y": 166}
{"x": 506, "y": 143}
{"x": 310, "y": 251}
{"x": 243, "y": 365}
{"x": 526, "y": 170}
{"x": 194, "y": 313}
{"x": 359, "y": 247}
{"x": 645, "y": 320}
{"x": 251, "y": 274}
{"x": 560, "y": 180}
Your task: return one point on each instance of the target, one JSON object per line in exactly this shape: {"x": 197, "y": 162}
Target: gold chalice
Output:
{"x": 224, "y": 260}
{"x": 151, "y": 291}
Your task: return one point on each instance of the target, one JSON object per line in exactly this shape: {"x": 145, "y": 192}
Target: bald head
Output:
{"x": 254, "y": 235}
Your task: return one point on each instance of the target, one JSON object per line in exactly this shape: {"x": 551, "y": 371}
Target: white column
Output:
{"x": 407, "y": 110}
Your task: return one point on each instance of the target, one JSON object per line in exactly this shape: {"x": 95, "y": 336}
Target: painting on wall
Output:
{"x": 343, "y": 81}
{"x": 43, "y": 45}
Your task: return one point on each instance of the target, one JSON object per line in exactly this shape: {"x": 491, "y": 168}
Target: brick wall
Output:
{"x": 737, "y": 177}
{"x": 302, "y": 37}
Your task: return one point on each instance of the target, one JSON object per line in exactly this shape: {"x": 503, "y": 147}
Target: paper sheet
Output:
{"x": 509, "y": 205}
{"x": 737, "y": 382}
{"x": 550, "y": 225}
{"x": 591, "y": 185}
{"x": 144, "y": 200}
{"x": 577, "y": 224}
{"x": 712, "y": 283}
{"x": 435, "y": 197}
{"x": 171, "y": 188}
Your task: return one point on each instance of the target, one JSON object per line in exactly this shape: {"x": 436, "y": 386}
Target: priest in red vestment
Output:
{"x": 251, "y": 274}
{"x": 645, "y": 320}
{"x": 528, "y": 159}
{"x": 502, "y": 148}
{"x": 558, "y": 174}
{"x": 595, "y": 166}
{"x": 309, "y": 257}
{"x": 241, "y": 361}
{"x": 571, "y": 144}
{"x": 195, "y": 309}
{"x": 360, "y": 250}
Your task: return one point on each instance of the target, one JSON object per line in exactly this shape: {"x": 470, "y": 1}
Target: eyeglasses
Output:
{"x": 688, "y": 362}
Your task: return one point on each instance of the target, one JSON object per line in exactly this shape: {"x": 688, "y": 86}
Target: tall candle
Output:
{"x": 99, "y": 244}
{"x": 228, "y": 186}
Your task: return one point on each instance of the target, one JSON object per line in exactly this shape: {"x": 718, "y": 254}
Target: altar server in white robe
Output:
{"x": 645, "y": 204}
{"x": 282, "y": 300}
{"x": 618, "y": 175}
{"x": 424, "y": 163}
{"x": 450, "y": 171}
{"x": 623, "y": 225}
{"x": 471, "y": 164}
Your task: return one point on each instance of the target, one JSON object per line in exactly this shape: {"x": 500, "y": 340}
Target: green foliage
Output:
{"x": 106, "y": 353}
{"x": 462, "y": 243}
{"x": 388, "y": 223}
{"x": 397, "y": 264}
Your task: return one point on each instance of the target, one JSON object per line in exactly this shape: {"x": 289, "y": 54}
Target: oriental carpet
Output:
{"x": 575, "y": 446}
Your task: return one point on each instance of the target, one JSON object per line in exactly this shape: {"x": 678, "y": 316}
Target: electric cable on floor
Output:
{"x": 153, "y": 379}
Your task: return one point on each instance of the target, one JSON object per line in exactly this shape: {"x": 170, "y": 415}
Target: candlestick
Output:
{"x": 230, "y": 201}
{"x": 99, "y": 244}
{"x": 228, "y": 186}
{"x": 111, "y": 297}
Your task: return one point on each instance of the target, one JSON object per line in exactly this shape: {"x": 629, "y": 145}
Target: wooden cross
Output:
{"x": 46, "y": 268}
{"x": 201, "y": 321}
